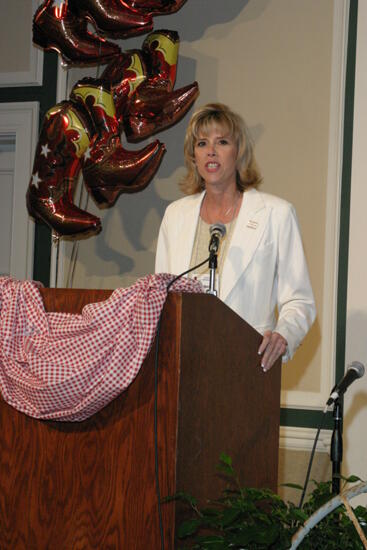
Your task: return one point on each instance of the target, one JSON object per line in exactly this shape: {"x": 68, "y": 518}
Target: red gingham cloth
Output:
{"x": 65, "y": 366}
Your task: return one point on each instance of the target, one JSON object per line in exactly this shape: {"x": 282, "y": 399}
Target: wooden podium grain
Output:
{"x": 91, "y": 485}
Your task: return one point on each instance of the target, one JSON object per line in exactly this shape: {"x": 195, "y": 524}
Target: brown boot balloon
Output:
{"x": 109, "y": 169}
{"x": 155, "y": 105}
{"x": 113, "y": 18}
{"x": 156, "y": 7}
{"x": 160, "y": 50}
{"x": 65, "y": 136}
{"x": 142, "y": 82}
{"x": 151, "y": 108}
{"x": 125, "y": 73}
{"x": 56, "y": 28}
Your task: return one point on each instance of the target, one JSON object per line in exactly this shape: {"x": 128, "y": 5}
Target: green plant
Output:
{"x": 258, "y": 519}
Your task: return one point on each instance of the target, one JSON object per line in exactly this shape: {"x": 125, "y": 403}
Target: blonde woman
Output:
{"x": 262, "y": 271}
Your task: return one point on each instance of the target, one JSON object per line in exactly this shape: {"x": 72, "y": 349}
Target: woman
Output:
{"x": 262, "y": 270}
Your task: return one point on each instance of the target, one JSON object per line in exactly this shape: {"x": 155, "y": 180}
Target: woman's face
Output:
{"x": 215, "y": 153}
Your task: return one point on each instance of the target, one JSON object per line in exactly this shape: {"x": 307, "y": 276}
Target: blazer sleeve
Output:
{"x": 296, "y": 304}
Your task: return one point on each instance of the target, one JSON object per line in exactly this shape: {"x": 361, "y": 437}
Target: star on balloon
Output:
{"x": 87, "y": 154}
{"x": 45, "y": 150}
{"x": 36, "y": 179}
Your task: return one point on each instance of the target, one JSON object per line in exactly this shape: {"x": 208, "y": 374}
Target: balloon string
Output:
{"x": 73, "y": 259}
{"x": 56, "y": 242}
{"x": 75, "y": 249}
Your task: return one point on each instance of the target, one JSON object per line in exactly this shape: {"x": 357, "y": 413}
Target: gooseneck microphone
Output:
{"x": 355, "y": 370}
{"x": 217, "y": 232}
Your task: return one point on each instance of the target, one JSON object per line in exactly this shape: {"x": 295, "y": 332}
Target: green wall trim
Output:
{"x": 345, "y": 191}
{"x": 301, "y": 418}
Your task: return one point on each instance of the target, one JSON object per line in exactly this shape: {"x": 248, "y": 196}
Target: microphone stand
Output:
{"x": 213, "y": 264}
{"x": 336, "y": 449}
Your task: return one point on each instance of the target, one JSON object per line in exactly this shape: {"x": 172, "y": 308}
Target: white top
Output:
{"x": 265, "y": 270}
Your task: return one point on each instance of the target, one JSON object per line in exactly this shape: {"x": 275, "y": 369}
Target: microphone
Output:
{"x": 355, "y": 370}
{"x": 217, "y": 232}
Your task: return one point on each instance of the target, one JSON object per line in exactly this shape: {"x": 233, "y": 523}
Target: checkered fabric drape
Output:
{"x": 64, "y": 366}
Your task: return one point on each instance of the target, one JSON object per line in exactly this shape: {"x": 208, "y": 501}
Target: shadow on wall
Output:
{"x": 197, "y": 16}
{"x": 191, "y": 22}
{"x": 134, "y": 220}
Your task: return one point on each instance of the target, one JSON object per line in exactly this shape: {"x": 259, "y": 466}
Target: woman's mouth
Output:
{"x": 212, "y": 165}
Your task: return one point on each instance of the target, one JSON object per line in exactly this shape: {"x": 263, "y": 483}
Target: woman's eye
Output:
{"x": 200, "y": 144}
{"x": 223, "y": 141}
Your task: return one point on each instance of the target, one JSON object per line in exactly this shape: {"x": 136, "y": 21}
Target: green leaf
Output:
{"x": 225, "y": 465}
{"x": 188, "y": 528}
{"x": 185, "y": 497}
{"x": 292, "y": 486}
{"x": 299, "y": 514}
{"x": 212, "y": 542}
{"x": 210, "y": 512}
{"x": 229, "y": 515}
{"x": 351, "y": 479}
{"x": 225, "y": 459}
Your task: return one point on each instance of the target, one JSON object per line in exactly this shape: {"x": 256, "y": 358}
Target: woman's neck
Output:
{"x": 221, "y": 207}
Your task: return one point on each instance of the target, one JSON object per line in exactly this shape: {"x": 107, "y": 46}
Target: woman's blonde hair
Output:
{"x": 201, "y": 121}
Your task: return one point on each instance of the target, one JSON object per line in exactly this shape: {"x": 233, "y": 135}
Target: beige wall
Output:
{"x": 273, "y": 61}
{"x": 16, "y": 35}
{"x": 293, "y": 465}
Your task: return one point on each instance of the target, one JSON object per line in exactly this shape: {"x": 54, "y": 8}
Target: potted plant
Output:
{"x": 245, "y": 518}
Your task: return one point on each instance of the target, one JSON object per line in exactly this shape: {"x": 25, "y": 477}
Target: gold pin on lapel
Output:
{"x": 252, "y": 224}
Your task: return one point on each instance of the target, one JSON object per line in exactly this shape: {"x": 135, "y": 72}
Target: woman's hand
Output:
{"x": 272, "y": 347}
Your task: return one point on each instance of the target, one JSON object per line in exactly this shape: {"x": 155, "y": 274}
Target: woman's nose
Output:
{"x": 211, "y": 150}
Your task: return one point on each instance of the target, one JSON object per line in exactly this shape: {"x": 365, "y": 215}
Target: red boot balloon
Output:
{"x": 56, "y": 28}
{"x": 64, "y": 138}
{"x": 142, "y": 83}
{"x": 113, "y": 18}
{"x": 160, "y": 50}
{"x": 109, "y": 169}
{"x": 124, "y": 74}
{"x": 156, "y": 7}
{"x": 152, "y": 109}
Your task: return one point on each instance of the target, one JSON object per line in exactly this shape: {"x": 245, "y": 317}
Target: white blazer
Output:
{"x": 265, "y": 277}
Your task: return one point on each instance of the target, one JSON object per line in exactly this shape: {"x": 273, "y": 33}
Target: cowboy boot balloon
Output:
{"x": 152, "y": 109}
{"x": 65, "y": 136}
{"x": 112, "y": 17}
{"x": 125, "y": 73}
{"x": 157, "y": 61}
{"x": 56, "y": 28}
{"x": 156, "y": 7}
{"x": 154, "y": 105}
{"x": 142, "y": 83}
{"x": 108, "y": 168}
{"x": 160, "y": 50}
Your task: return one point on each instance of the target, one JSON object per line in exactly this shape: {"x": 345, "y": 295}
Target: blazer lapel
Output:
{"x": 249, "y": 228}
{"x": 187, "y": 233}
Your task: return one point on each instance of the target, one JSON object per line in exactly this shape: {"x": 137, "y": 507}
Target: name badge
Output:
{"x": 252, "y": 224}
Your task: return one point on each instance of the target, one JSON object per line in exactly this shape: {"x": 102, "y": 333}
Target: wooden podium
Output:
{"x": 91, "y": 485}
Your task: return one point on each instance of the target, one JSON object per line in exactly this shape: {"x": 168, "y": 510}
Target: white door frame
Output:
{"x": 19, "y": 121}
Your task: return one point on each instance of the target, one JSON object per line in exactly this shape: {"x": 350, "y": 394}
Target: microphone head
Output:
{"x": 218, "y": 228}
{"x": 358, "y": 368}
